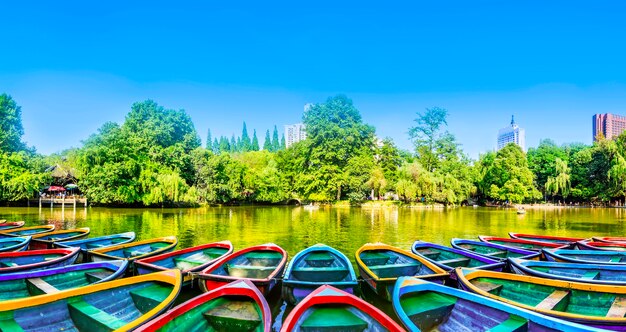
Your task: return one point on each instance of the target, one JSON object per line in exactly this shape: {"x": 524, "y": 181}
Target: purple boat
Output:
{"x": 450, "y": 258}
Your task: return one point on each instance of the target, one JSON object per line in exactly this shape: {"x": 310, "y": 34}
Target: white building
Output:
{"x": 294, "y": 133}
{"x": 512, "y": 134}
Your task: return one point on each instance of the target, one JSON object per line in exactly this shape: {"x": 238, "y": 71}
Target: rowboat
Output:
{"x": 4, "y": 225}
{"x": 609, "y": 239}
{"x": 46, "y": 240}
{"x": 87, "y": 245}
{"x": 450, "y": 258}
{"x": 14, "y": 243}
{"x": 135, "y": 250}
{"x": 601, "y": 274}
{"x": 120, "y": 305}
{"x": 493, "y": 250}
{"x": 330, "y": 309}
{"x": 36, "y": 259}
{"x": 262, "y": 265}
{"x": 601, "y": 306}
{"x": 519, "y": 243}
{"x": 546, "y": 238}
{"x": 425, "y": 306}
{"x": 586, "y": 256}
{"x": 611, "y": 246}
{"x": 380, "y": 265}
{"x": 188, "y": 260}
{"x": 48, "y": 281}
{"x": 24, "y": 231}
{"x": 316, "y": 266}
{"x": 238, "y": 306}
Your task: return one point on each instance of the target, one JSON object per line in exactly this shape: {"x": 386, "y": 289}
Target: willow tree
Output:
{"x": 560, "y": 183}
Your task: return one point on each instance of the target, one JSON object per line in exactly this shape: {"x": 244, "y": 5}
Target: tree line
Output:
{"x": 155, "y": 158}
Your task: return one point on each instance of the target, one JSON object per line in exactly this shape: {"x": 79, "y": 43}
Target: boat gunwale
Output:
{"x": 21, "y": 246}
{"x": 528, "y": 254}
{"x": 493, "y": 264}
{"x": 321, "y": 248}
{"x": 517, "y": 263}
{"x": 69, "y": 253}
{"x": 599, "y": 245}
{"x": 488, "y": 239}
{"x": 524, "y": 236}
{"x": 70, "y": 243}
{"x": 557, "y": 257}
{"x": 206, "y": 273}
{"x": 14, "y": 224}
{"x": 102, "y": 252}
{"x": 48, "y": 228}
{"x": 147, "y": 261}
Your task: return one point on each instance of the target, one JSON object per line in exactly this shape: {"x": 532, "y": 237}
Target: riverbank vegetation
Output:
{"x": 155, "y": 158}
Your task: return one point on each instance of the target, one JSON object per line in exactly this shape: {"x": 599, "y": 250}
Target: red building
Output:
{"x": 610, "y": 125}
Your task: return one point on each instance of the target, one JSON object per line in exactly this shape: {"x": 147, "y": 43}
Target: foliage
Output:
{"x": 11, "y": 129}
{"x": 560, "y": 183}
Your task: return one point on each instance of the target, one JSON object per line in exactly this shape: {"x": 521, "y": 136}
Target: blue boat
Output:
{"x": 32, "y": 283}
{"x": 493, "y": 250}
{"x": 14, "y": 243}
{"x": 86, "y": 245}
{"x": 32, "y": 260}
{"x": 450, "y": 258}
{"x": 316, "y": 266}
{"x": 426, "y": 306}
{"x": 586, "y": 256}
{"x": 601, "y": 274}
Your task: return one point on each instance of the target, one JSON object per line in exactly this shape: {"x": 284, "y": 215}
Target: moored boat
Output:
{"x": 493, "y": 250}
{"x": 316, "y": 266}
{"x": 609, "y": 239}
{"x": 135, "y": 250}
{"x": 545, "y": 238}
{"x": 36, "y": 259}
{"x": 187, "y": 260}
{"x": 450, "y": 258}
{"x": 25, "y": 231}
{"x": 101, "y": 242}
{"x": 46, "y": 240}
{"x": 602, "y": 274}
{"x": 330, "y": 309}
{"x": 6, "y": 225}
{"x": 593, "y": 245}
{"x": 523, "y": 244}
{"x": 586, "y": 256}
{"x": 119, "y": 305}
{"x": 601, "y": 306}
{"x": 48, "y": 281}
{"x": 262, "y": 265}
{"x": 14, "y": 243}
{"x": 425, "y": 306}
{"x": 238, "y": 306}
{"x": 380, "y": 265}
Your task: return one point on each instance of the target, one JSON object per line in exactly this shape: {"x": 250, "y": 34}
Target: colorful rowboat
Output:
{"x": 238, "y": 306}
{"x": 609, "y": 239}
{"x": 4, "y": 225}
{"x": 262, "y": 265}
{"x": 586, "y": 256}
{"x": 135, "y": 250}
{"x": 523, "y": 244}
{"x": 36, "y": 259}
{"x": 46, "y": 240}
{"x": 14, "y": 243}
{"x": 425, "y": 306}
{"x": 87, "y": 245}
{"x": 380, "y": 265}
{"x": 610, "y": 246}
{"x": 330, "y": 309}
{"x": 188, "y": 260}
{"x": 33, "y": 283}
{"x": 450, "y": 258}
{"x": 588, "y": 273}
{"x": 493, "y": 250}
{"x": 600, "y": 306}
{"x": 25, "y": 231}
{"x": 546, "y": 238}
{"x": 316, "y": 266}
{"x": 119, "y": 305}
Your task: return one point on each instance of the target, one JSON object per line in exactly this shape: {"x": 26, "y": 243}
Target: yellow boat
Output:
{"x": 380, "y": 265}
{"x": 601, "y": 306}
{"x": 135, "y": 250}
{"x": 119, "y": 305}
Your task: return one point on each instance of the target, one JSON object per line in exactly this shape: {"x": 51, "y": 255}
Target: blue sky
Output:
{"x": 75, "y": 65}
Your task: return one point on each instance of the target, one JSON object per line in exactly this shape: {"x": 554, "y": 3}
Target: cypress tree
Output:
{"x": 216, "y": 146}
{"x": 233, "y": 144}
{"x": 209, "y": 140}
{"x": 255, "y": 142}
{"x": 283, "y": 146}
{"x": 267, "y": 143}
{"x": 275, "y": 143}
{"x": 246, "y": 145}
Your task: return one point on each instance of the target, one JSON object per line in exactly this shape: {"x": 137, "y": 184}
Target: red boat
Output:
{"x": 262, "y": 265}
{"x": 546, "y": 238}
{"x": 609, "y": 239}
{"x": 328, "y": 307}
{"x": 36, "y": 259}
{"x": 235, "y": 306}
{"x": 610, "y": 246}
{"x": 524, "y": 244}
{"x": 4, "y": 225}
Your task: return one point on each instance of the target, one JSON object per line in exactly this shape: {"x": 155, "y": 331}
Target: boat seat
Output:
{"x": 377, "y": 258}
{"x": 429, "y": 253}
{"x": 214, "y": 252}
{"x": 333, "y": 319}
{"x": 618, "y": 308}
{"x": 129, "y": 253}
{"x": 185, "y": 264}
{"x": 590, "y": 275}
{"x": 7, "y": 264}
{"x": 89, "y": 318}
{"x": 9, "y": 325}
{"x": 429, "y": 309}
{"x": 249, "y": 271}
{"x": 497, "y": 253}
{"x": 49, "y": 258}
{"x": 488, "y": 287}
{"x": 468, "y": 247}
{"x": 94, "y": 277}
{"x": 234, "y": 316}
{"x": 319, "y": 259}
{"x": 38, "y": 286}
{"x": 94, "y": 245}
{"x": 456, "y": 262}
{"x": 616, "y": 259}
{"x": 556, "y": 298}
{"x": 158, "y": 246}
{"x": 147, "y": 298}
{"x": 513, "y": 324}
{"x": 264, "y": 258}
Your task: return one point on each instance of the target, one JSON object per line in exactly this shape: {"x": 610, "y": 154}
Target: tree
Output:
{"x": 234, "y": 145}
{"x": 508, "y": 176}
{"x": 216, "y": 146}
{"x": 246, "y": 144}
{"x": 267, "y": 143}
{"x": 427, "y": 134}
{"x": 11, "y": 129}
{"x": 282, "y": 145}
{"x": 561, "y": 182}
{"x": 209, "y": 140}
{"x": 275, "y": 142}
{"x": 542, "y": 161}
{"x": 254, "y": 146}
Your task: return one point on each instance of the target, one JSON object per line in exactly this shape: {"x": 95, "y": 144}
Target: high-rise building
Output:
{"x": 610, "y": 125}
{"x": 512, "y": 134}
{"x": 294, "y": 133}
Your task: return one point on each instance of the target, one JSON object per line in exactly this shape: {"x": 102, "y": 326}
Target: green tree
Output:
{"x": 542, "y": 161}
{"x": 216, "y": 146}
{"x": 427, "y": 135}
{"x": 209, "y": 140}
{"x": 246, "y": 144}
{"x": 509, "y": 178}
{"x": 254, "y": 146}
{"x": 282, "y": 145}
{"x": 389, "y": 160}
{"x": 560, "y": 183}
{"x": 267, "y": 143}
{"x": 11, "y": 129}
{"x": 275, "y": 142}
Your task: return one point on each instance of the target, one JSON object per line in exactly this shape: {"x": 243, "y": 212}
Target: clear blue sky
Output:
{"x": 74, "y": 65}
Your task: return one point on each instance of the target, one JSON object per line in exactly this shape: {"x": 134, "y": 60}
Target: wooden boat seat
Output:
{"x": 94, "y": 245}
{"x": 234, "y": 316}
{"x": 513, "y": 323}
{"x": 456, "y": 262}
{"x": 497, "y": 253}
{"x": 10, "y": 325}
{"x": 8, "y": 264}
{"x": 616, "y": 259}
{"x": 333, "y": 319}
{"x": 319, "y": 259}
{"x": 395, "y": 270}
{"x": 468, "y": 247}
{"x": 214, "y": 252}
{"x": 270, "y": 258}
{"x": 188, "y": 261}
{"x": 429, "y": 253}
{"x": 320, "y": 274}
{"x": 488, "y": 287}
{"x": 249, "y": 271}
{"x": 157, "y": 246}
{"x": 590, "y": 275}
{"x": 130, "y": 253}
{"x": 89, "y": 318}
{"x": 556, "y": 298}
{"x": 618, "y": 308}
{"x": 377, "y": 258}
{"x": 147, "y": 298}
{"x": 93, "y": 277}
{"x": 38, "y": 286}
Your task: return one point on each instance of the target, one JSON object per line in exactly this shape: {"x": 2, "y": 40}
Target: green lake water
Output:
{"x": 346, "y": 229}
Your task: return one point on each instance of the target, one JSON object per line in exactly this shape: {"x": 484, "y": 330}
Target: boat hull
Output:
{"x": 11, "y": 225}
{"x": 47, "y": 240}
{"x": 454, "y": 257}
{"x": 586, "y": 256}
{"x": 546, "y": 238}
{"x": 609, "y": 246}
{"x": 28, "y": 231}
{"x": 135, "y": 250}
{"x": 10, "y": 244}
{"x": 494, "y": 251}
{"x": 574, "y": 272}
{"x": 101, "y": 242}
